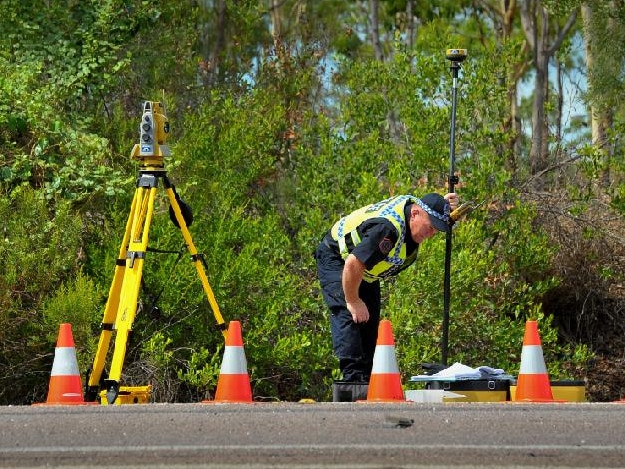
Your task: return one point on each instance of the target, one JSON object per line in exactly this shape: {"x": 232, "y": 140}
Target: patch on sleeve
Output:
{"x": 385, "y": 246}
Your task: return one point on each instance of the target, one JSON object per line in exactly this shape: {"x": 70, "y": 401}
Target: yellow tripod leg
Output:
{"x": 195, "y": 257}
{"x": 131, "y": 283}
{"x": 121, "y": 306}
{"x": 92, "y": 387}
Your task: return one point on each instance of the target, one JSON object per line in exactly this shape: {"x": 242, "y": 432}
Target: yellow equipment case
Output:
{"x": 474, "y": 390}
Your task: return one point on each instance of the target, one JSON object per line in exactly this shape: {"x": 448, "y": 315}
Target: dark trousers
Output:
{"x": 354, "y": 344}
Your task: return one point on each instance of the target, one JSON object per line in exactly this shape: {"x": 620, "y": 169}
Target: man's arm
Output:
{"x": 352, "y": 276}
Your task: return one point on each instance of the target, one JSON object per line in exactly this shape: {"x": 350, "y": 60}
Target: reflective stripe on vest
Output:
{"x": 345, "y": 232}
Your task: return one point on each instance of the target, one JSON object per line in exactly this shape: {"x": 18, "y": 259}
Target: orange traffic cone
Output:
{"x": 385, "y": 382}
{"x": 533, "y": 382}
{"x": 65, "y": 386}
{"x": 233, "y": 384}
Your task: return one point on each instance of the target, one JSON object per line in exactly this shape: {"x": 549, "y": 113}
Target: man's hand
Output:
{"x": 359, "y": 310}
{"x": 452, "y": 198}
{"x": 352, "y": 276}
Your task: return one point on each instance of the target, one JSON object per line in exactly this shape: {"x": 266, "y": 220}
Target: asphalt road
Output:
{"x": 328, "y": 435}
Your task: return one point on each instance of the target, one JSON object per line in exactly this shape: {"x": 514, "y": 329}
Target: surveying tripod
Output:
{"x": 121, "y": 306}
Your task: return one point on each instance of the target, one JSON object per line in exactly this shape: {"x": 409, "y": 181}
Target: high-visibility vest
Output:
{"x": 345, "y": 232}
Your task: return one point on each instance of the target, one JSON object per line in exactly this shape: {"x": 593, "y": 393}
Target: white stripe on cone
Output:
{"x": 65, "y": 363}
{"x": 532, "y": 360}
{"x": 234, "y": 362}
{"x": 384, "y": 360}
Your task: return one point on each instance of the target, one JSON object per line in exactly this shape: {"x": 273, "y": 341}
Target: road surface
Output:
{"x": 315, "y": 435}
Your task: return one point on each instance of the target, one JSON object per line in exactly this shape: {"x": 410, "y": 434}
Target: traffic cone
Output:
{"x": 65, "y": 385}
{"x": 533, "y": 382}
{"x": 385, "y": 382}
{"x": 233, "y": 384}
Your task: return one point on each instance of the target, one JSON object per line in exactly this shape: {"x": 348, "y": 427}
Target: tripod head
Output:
{"x": 153, "y": 133}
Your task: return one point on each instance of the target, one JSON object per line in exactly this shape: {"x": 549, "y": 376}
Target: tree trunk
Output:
{"x": 410, "y": 25}
{"x": 600, "y": 117}
{"x": 560, "y": 93}
{"x": 503, "y": 13}
{"x": 276, "y": 18}
{"x": 209, "y": 68}
{"x": 514, "y": 73}
{"x": 374, "y": 8}
{"x": 535, "y": 21}
{"x": 220, "y": 44}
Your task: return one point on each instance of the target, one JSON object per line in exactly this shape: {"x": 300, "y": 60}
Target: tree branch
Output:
{"x": 550, "y": 168}
{"x": 563, "y": 32}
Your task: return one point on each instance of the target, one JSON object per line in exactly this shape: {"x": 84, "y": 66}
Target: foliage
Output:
{"x": 41, "y": 250}
{"x": 274, "y": 135}
{"x": 42, "y": 148}
{"x": 76, "y": 302}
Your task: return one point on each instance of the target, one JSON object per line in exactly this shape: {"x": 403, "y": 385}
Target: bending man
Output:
{"x": 372, "y": 243}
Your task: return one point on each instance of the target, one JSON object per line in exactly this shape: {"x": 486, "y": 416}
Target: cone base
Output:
{"x": 63, "y": 404}
{"x": 65, "y": 390}
{"x": 385, "y": 387}
{"x": 233, "y": 388}
{"x": 232, "y": 401}
{"x": 533, "y": 388}
{"x": 538, "y": 401}
{"x": 381, "y": 400}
